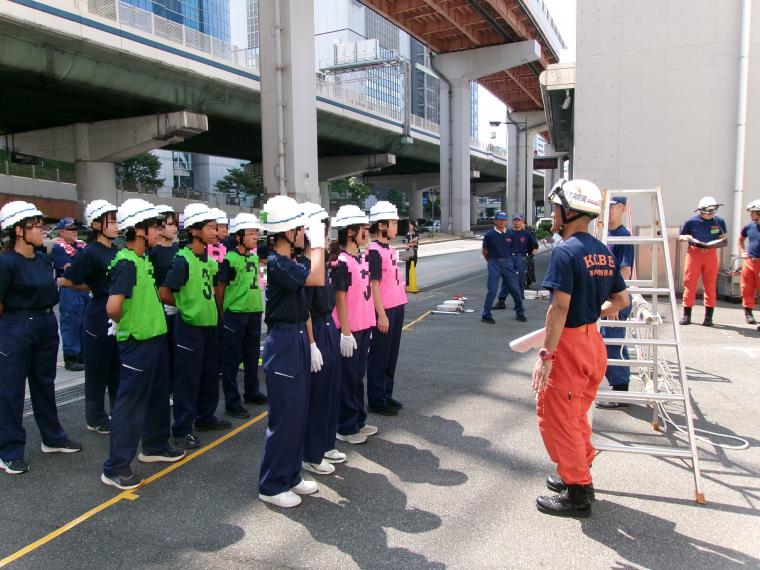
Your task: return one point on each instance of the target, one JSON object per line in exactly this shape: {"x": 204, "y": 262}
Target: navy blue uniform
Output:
{"x": 523, "y": 243}
{"x": 162, "y": 256}
{"x": 751, "y": 234}
{"x": 101, "y": 355}
{"x": 28, "y": 349}
{"x": 286, "y": 366}
{"x": 704, "y": 230}
{"x": 498, "y": 246}
{"x": 72, "y": 304}
{"x": 324, "y": 400}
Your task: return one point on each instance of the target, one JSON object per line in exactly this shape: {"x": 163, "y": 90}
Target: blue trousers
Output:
{"x": 28, "y": 349}
{"x": 502, "y": 269}
{"x": 353, "y": 412}
{"x": 521, "y": 268}
{"x": 142, "y": 404}
{"x": 617, "y": 376}
{"x": 101, "y": 363}
{"x": 382, "y": 359}
{"x": 171, "y": 347}
{"x": 71, "y": 306}
{"x": 241, "y": 343}
{"x": 286, "y": 366}
{"x": 196, "y": 381}
{"x": 324, "y": 393}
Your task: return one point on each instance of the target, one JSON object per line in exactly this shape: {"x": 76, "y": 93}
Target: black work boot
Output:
{"x": 708, "y": 322}
{"x": 572, "y": 502}
{"x": 556, "y": 484}
{"x": 500, "y": 304}
{"x": 72, "y": 364}
{"x": 686, "y": 319}
{"x": 748, "y": 317}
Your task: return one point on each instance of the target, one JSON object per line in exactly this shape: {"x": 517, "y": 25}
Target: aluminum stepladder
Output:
{"x": 650, "y": 289}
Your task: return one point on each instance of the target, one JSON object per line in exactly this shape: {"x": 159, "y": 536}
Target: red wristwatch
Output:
{"x": 545, "y": 355}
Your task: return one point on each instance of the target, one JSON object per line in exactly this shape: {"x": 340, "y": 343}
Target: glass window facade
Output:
{"x": 211, "y": 17}
{"x": 252, "y": 17}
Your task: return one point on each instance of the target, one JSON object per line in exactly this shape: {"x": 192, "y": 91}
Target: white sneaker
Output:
{"x": 305, "y": 487}
{"x": 335, "y": 456}
{"x": 368, "y": 430}
{"x": 354, "y": 438}
{"x": 285, "y": 499}
{"x": 323, "y": 468}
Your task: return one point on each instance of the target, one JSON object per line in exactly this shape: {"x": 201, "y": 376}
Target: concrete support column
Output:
{"x": 474, "y": 202}
{"x": 415, "y": 201}
{"x": 95, "y": 180}
{"x": 324, "y": 195}
{"x": 288, "y": 94}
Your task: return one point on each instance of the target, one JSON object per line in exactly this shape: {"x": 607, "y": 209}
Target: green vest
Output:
{"x": 195, "y": 301}
{"x": 243, "y": 294}
{"x": 142, "y": 315}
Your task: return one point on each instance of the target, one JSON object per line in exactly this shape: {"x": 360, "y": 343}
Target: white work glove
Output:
{"x": 112, "y": 327}
{"x": 347, "y": 345}
{"x": 315, "y": 231}
{"x": 170, "y": 310}
{"x": 316, "y": 358}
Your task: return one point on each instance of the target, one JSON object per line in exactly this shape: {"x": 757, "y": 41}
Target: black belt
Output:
{"x": 29, "y": 312}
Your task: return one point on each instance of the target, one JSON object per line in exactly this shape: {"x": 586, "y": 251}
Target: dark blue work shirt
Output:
{"x": 751, "y": 233}
{"x": 523, "y": 241}
{"x": 90, "y": 267}
{"x": 321, "y": 300}
{"x": 123, "y": 278}
{"x": 161, "y": 256}
{"x": 27, "y": 283}
{"x": 704, "y": 230}
{"x": 286, "y": 293}
{"x": 584, "y": 268}
{"x": 624, "y": 253}
{"x": 179, "y": 273}
{"x": 497, "y": 244}
{"x": 61, "y": 259}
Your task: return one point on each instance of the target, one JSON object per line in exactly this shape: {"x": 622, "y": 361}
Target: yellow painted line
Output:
{"x": 129, "y": 495}
{"x": 415, "y": 321}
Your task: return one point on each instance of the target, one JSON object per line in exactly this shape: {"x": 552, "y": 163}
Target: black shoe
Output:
{"x": 394, "y": 404}
{"x": 499, "y": 305}
{"x": 708, "y": 322}
{"x": 240, "y": 412}
{"x": 123, "y": 482}
{"x": 612, "y": 405}
{"x": 14, "y": 466}
{"x": 218, "y": 425}
{"x": 102, "y": 429}
{"x": 556, "y": 484}
{"x": 72, "y": 364}
{"x": 257, "y": 399}
{"x": 748, "y": 317}
{"x": 171, "y": 455}
{"x": 686, "y": 319}
{"x": 187, "y": 441}
{"x": 69, "y": 446}
{"x": 522, "y": 318}
{"x": 488, "y": 320}
{"x": 384, "y": 410}
{"x": 572, "y": 502}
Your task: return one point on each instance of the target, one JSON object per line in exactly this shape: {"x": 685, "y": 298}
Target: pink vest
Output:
{"x": 217, "y": 251}
{"x": 361, "y": 310}
{"x": 392, "y": 285}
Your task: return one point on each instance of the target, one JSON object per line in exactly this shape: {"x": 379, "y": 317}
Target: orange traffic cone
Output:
{"x": 411, "y": 287}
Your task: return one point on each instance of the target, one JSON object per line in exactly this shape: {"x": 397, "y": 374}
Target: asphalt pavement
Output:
{"x": 449, "y": 483}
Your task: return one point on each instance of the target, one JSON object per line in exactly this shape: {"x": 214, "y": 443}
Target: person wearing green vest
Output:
{"x": 189, "y": 286}
{"x": 141, "y": 409}
{"x": 240, "y": 301}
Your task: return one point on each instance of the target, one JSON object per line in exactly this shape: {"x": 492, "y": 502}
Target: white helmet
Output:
{"x": 312, "y": 211}
{"x": 578, "y": 195}
{"x": 707, "y": 203}
{"x": 221, "y": 216}
{"x": 349, "y": 215}
{"x": 197, "y": 214}
{"x": 96, "y": 209}
{"x": 15, "y": 212}
{"x": 753, "y": 206}
{"x": 134, "y": 211}
{"x": 280, "y": 214}
{"x": 381, "y": 211}
{"x": 244, "y": 221}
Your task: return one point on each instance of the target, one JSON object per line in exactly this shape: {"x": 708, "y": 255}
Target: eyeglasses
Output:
{"x": 710, "y": 210}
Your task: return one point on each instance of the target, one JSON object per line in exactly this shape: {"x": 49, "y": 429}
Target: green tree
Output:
{"x": 140, "y": 173}
{"x": 350, "y": 191}
{"x": 397, "y": 198}
{"x": 238, "y": 182}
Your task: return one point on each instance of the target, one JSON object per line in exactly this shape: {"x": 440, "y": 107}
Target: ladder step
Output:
{"x": 633, "y": 240}
{"x": 649, "y": 290}
{"x": 613, "y": 396}
{"x": 627, "y": 324}
{"x": 639, "y": 283}
{"x": 630, "y": 363}
{"x": 640, "y": 342}
{"x": 637, "y": 191}
{"x": 644, "y": 450}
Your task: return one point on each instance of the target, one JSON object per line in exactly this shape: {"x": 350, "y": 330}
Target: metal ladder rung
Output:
{"x": 612, "y": 395}
{"x": 634, "y": 240}
{"x": 639, "y": 283}
{"x": 640, "y": 342}
{"x": 627, "y": 324}
{"x": 649, "y": 290}
{"x": 637, "y": 191}
{"x": 643, "y": 449}
{"x": 630, "y": 363}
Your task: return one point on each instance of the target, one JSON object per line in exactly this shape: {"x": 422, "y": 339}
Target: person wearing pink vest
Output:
{"x": 389, "y": 298}
{"x": 355, "y": 315}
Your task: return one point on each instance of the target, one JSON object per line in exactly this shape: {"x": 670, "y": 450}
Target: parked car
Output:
{"x": 430, "y": 226}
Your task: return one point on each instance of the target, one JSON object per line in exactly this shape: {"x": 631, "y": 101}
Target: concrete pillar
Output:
{"x": 288, "y": 95}
{"x": 324, "y": 195}
{"x": 474, "y": 202}
{"x": 457, "y": 70}
{"x": 95, "y": 180}
{"x": 415, "y": 201}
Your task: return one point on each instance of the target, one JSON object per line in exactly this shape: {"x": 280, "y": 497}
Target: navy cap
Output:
{"x": 65, "y": 223}
{"x": 518, "y": 217}
{"x": 500, "y": 215}
{"x": 618, "y": 200}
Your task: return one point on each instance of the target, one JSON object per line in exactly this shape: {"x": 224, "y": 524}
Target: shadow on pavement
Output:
{"x": 411, "y": 464}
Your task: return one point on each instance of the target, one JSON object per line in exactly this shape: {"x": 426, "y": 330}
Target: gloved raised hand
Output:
{"x": 112, "y": 327}
{"x": 316, "y": 358}
{"x": 315, "y": 232}
{"x": 347, "y": 345}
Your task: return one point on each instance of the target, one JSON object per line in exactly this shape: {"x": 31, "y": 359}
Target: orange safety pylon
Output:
{"x": 411, "y": 287}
